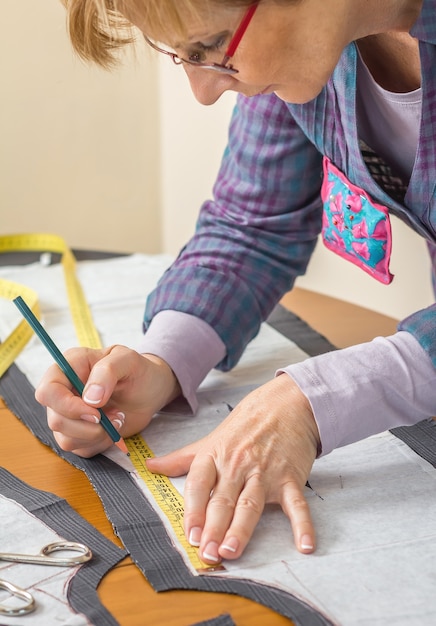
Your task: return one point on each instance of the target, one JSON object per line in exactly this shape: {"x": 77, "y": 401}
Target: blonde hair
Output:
{"x": 98, "y": 29}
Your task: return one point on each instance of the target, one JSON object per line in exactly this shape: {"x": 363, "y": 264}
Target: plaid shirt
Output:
{"x": 259, "y": 231}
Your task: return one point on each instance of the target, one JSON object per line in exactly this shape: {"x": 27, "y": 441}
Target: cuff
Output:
{"x": 188, "y": 344}
{"x": 367, "y": 389}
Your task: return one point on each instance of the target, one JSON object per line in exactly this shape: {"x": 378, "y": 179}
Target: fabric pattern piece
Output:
{"x": 221, "y": 620}
{"x": 421, "y": 438}
{"x": 354, "y": 227}
{"x": 61, "y": 518}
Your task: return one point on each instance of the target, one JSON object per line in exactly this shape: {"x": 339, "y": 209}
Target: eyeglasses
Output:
{"x": 223, "y": 67}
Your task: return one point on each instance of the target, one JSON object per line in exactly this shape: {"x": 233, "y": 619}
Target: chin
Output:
{"x": 298, "y": 95}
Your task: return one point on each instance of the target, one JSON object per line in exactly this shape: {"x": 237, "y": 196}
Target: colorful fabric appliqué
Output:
{"x": 354, "y": 226}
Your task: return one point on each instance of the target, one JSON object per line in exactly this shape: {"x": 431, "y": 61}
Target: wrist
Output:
{"x": 166, "y": 384}
{"x": 299, "y": 401}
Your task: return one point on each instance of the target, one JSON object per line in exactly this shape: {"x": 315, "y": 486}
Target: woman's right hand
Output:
{"x": 129, "y": 386}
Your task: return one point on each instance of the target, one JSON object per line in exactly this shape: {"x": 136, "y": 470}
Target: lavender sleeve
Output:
{"x": 188, "y": 344}
{"x": 368, "y": 388}
{"x": 354, "y": 393}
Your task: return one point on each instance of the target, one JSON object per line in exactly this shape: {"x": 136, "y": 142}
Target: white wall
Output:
{"x": 79, "y": 146}
{"x": 123, "y": 160}
{"x": 193, "y": 138}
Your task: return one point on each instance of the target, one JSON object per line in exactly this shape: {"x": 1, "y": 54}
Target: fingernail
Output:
{"x": 93, "y": 394}
{"x": 195, "y": 536}
{"x": 210, "y": 553}
{"x": 90, "y": 418}
{"x": 306, "y": 543}
{"x": 118, "y": 422}
{"x": 231, "y": 545}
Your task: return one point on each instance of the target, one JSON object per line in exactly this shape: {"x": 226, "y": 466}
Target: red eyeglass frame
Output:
{"x": 222, "y": 67}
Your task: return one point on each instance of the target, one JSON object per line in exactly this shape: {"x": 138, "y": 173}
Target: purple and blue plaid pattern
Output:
{"x": 256, "y": 235}
{"x": 259, "y": 231}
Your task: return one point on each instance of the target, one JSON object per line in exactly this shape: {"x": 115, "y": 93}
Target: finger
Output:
{"x": 79, "y": 447}
{"x": 199, "y": 484}
{"x": 53, "y": 387}
{"x": 119, "y": 367}
{"x": 105, "y": 375}
{"x": 73, "y": 426}
{"x": 175, "y": 463}
{"x": 296, "y": 508}
{"x": 229, "y": 498}
{"x": 65, "y": 405}
{"x": 249, "y": 507}
{"x": 83, "y": 428}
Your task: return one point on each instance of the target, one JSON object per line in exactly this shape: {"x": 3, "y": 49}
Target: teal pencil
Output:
{"x": 66, "y": 368}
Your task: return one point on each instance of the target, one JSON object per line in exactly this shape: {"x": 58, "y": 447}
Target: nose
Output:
{"x": 207, "y": 85}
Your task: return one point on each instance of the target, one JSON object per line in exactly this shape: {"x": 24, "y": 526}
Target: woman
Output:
{"x": 346, "y": 88}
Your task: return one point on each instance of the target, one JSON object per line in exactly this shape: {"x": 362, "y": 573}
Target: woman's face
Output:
{"x": 288, "y": 48}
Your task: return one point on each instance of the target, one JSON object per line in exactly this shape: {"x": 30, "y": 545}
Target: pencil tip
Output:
{"x": 122, "y": 446}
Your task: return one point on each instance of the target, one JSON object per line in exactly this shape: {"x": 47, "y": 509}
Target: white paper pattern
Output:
{"x": 21, "y": 532}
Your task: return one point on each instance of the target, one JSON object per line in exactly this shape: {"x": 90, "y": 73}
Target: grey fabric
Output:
{"x": 57, "y": 514}
{"x": 297, "y": 330}
{"x": 221, "y": 620}
{"x": 421, "y": 438}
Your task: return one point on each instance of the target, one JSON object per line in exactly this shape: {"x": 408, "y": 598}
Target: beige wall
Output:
{"x": 79, "y": 146}
{"x": 122, "y": 161}
{"x": 193, "y": 138}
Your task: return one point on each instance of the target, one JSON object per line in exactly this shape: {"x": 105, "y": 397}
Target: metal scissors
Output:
{"x": 82, "y": 554}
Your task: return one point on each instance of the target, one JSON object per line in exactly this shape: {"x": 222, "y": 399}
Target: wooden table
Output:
{"x": 125, "y": 591}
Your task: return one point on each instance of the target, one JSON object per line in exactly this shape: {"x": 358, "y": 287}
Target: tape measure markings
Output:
{"x": 12, "y": 345}
{"x": 86, "y": 332}
{"x": 168, "y": 498}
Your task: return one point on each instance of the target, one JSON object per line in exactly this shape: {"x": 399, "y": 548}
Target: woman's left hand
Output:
{"x": 261, "y": 453}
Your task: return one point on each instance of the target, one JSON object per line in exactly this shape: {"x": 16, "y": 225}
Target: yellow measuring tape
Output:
{"x": 81, "y": 315}
{"x": 46, "y": 242}
{"x": 11, "y": 347}
{"x": 166, "y": 495}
